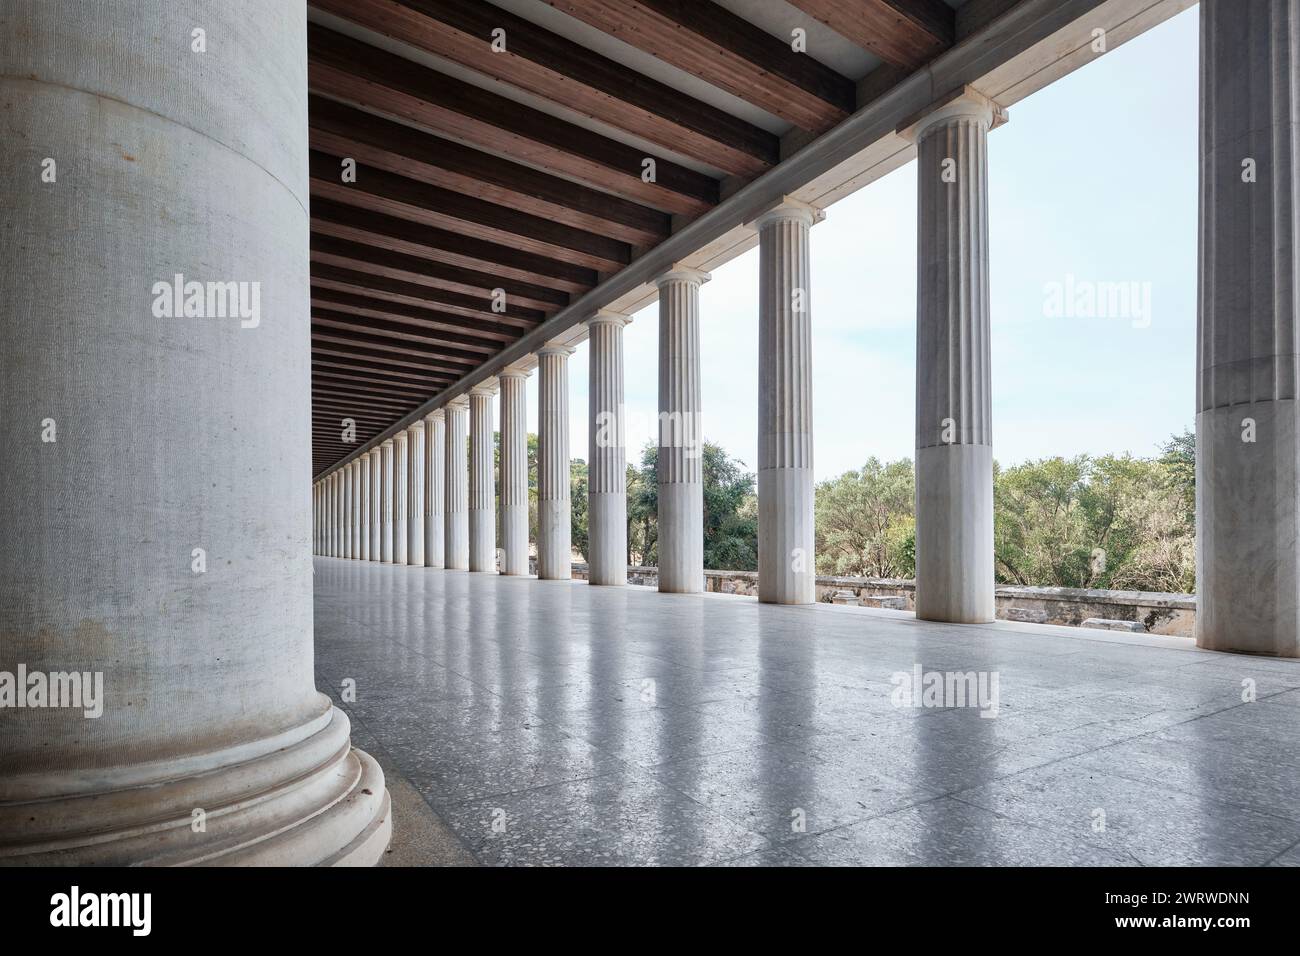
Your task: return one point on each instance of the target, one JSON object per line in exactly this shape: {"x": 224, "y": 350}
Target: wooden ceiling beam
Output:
{"x": 326, "y": 276}
{"x": 490, "y": 334}
{"x": 343, "y": 130}
{"x": 446, "y": 343}
{"x": 349, "y": 70}
{"x": 903, "y": 33}
{"x": 353, "y": 352}
{"x": 442, "y": 245}
{"x": 417, "y": 201}
{"x": 436, "y": 277}
{"x": 565, "y": 72}
{"x": 365, "y": 342}
{"x": 709, "y": 41}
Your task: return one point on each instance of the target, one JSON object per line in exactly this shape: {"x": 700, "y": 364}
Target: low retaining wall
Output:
{"x": 1158, "y": 613}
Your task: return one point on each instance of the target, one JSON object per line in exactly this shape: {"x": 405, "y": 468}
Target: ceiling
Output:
{"x": 493, "y": 187}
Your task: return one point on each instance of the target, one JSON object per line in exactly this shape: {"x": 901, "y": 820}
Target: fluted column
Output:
{"x": 786, "y": 560}
{"x": 514, "y": 472}
{"x": 482, "y": 487}
{"x": 401, "y": 497}
{"x": 435, "y": 450}
{"x": 607, "y": 452}
{"x": 153, "y": 550}
{"x": 415, "y": 494}
{"x": 315, "y": 517}
{"x": 387, "y": 493}
{"x": 1248, "y": 420}
{"x": 681, "y": 486}
{"x": 336, "y": 505}
{"x": 456, "y": 513}
{"x": 554, "y": 486}
{"x": 954, "y": 442}
{"x": 376, "y": 517}
{"x": 354, "y": 510}
{"x": 363, "y": 507}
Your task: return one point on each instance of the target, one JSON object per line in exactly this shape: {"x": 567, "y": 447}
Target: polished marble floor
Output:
{"x": 552, "y": 723}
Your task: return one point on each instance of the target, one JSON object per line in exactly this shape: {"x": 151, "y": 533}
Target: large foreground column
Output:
{"x": 681, "y": 486}
{"x": 786, "y": 568}
{"x": 514, "y": 472}
{"x": 607, "y": 452}
{"x": 387, "y": 492}
{"x": 954, "y": 441}
{"x": 456, "y": 513}
{"x": 415, "y": 494}
{"x": 156, "y": 466}
{"x": 1248, "y": 421}
{"x": 554, "y": 514}
{"x": 482, "y": 488}
{"x": 435, "y": 448}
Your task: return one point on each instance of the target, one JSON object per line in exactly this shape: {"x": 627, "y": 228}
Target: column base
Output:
{"x": 954, "y": 534}
{"x": 681, "y": 538}
{"x": 787, "y": 571}
{"x": 554, "y": 541}
{"x": 1247, "y": 530}
{"x": 607, "y": 539}
{"x": 304, "y": 798}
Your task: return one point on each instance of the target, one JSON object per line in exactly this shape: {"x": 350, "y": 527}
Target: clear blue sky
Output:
{"x": 1095, "y": 177}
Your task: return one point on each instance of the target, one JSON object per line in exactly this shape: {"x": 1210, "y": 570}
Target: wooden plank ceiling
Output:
{"x": 463, "y": 193}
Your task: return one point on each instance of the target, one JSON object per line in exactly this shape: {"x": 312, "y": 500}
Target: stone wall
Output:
{"x": 1158, "y": 613}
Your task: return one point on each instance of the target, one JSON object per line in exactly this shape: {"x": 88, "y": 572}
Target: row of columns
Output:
{"x": 954, "y": 464}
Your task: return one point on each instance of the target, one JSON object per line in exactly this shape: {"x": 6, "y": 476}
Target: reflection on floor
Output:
{"x": 555, "y": 723}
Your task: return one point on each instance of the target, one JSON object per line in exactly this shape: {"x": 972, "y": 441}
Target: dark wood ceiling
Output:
{"x": 461, "y": 191}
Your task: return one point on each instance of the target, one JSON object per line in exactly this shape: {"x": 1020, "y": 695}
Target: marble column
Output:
{"x": 456, "y": 513}
{"x": 354, "y": 510}
{"x": 954, "y": 441}
{"x": 435, "y": 450}
{"x": 336, "y": 516}
{"x": 1248, "y": 380}
{"x": 554, "y": 487}
{"x": 315, "y": 517}
{"x": 681, "y": 484}
{"x": 376, "y": 518}
{"x": 345, "y": 513}
{"x": 482, "y": 486}
{"x": 607, "y": 452}
{"x": 386, "y": 492}
{"x": 514, "y": 472}
{"x": 155, "y": 530}
{"x": 415, "y": 494}
{"x": 363, "y": 507}
{"x": 401, "y": 497}
{"x": 786, "y": 560}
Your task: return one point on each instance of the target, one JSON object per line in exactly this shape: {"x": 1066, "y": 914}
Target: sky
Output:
{"x": 1093, "y": 180}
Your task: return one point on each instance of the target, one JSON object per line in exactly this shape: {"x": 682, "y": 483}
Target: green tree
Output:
{"x": 864, "y": 522}
{"x": 578, "y": 505}
{"x": 730, "y": 512}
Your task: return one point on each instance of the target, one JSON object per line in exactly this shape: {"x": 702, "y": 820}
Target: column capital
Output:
{"x": 965, "y": 103}
{"x": 386, "y": 443}
{"x": 789, "y": 209}
{"x": 399, "y": 438}
{"x": 608, "y": 317}
{"x": 437, "y": 415}
{"x": 416, "y": 425}
{"x": 555, "y": 348}
{"x": 484, "y": 389}
{"x": 683, "y": 274}
{"x": 457, "y": 404}
{"x": 514, "y": 371}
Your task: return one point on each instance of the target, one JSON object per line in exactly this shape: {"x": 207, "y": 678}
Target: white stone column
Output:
{"x": 363, "y": 507}
{"x": 456, "y": 512}
{"x": 1248, "y": 383}
{"x": 435, "y": 450}
{"x": 554, "y": 487}
{"x": 786, "y": 560}
{"x": 514, "y": 471}
{"x": 315, "y": 517}
{"x": 337, "y": 516}
{"x": 168, "y": 434}
{"x": 954, "y": 441}
{"x": 400, "y": 497}
{"x": 482, "y": 486}
{"x": 415, "y": 494}
{"x": 681, "y": 438}
{"x": 387, "y": 493}
{"x": 375, "y": 465}
{"x": 607, "y": 452}
{"x": 354, "y": 510}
